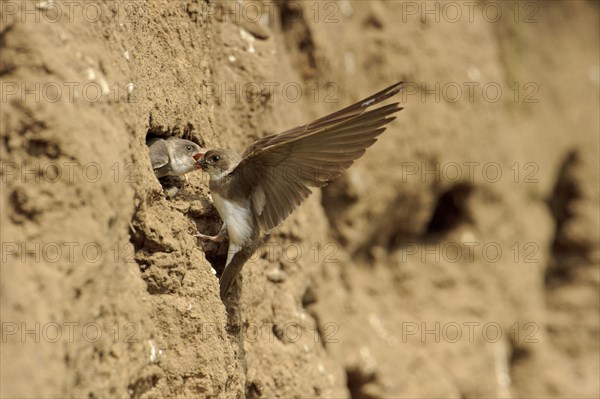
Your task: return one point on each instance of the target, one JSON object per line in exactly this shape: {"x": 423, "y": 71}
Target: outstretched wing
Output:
{"x": 277, "y": 171}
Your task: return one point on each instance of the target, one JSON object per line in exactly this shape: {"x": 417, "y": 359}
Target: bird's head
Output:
{"x": 188, "y": 147}
{"x": 183, "y": 154}
{"x": 219, "y": 162}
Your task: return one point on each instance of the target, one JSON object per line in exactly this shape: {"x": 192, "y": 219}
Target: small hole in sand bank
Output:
{"x": 356, "y": 380}
{"x": 309, "y": 297}
{"x": 567, "y": 252}
{"x": 450, "y": 211}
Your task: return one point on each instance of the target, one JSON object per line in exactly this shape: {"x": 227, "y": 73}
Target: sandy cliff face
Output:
{"x": 457, "y": 258}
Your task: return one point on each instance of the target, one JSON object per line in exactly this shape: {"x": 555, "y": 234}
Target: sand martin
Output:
{"x": 257, "y": 190}
{"x": 174, "y": 156}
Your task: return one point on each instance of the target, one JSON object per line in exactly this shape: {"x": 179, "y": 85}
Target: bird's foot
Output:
{"x": 217, "y": 238}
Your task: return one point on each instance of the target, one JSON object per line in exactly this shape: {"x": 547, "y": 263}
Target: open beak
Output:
{"x": 198, "y": 156}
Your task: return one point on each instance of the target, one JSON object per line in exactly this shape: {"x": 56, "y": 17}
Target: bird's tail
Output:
{"x": 236, "y": 258}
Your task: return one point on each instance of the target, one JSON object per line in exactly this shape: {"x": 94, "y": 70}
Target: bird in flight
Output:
{"x": 257, "y": 190}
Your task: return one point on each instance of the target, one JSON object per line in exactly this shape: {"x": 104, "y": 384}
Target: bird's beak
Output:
{"x": 199, "y": 158}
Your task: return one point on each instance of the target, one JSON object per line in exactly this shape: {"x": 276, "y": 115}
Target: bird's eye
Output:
{"x": 215, "y": 158}
{"x": 189, "y": 147}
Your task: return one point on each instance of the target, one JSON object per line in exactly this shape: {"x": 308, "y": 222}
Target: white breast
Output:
{"x": 237, "y": 217}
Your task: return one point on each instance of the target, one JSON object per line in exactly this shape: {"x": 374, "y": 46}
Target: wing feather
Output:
{"x": 277, "y": 171}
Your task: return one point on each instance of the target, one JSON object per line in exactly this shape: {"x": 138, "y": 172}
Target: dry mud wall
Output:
{"x": 457, "y": 258}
